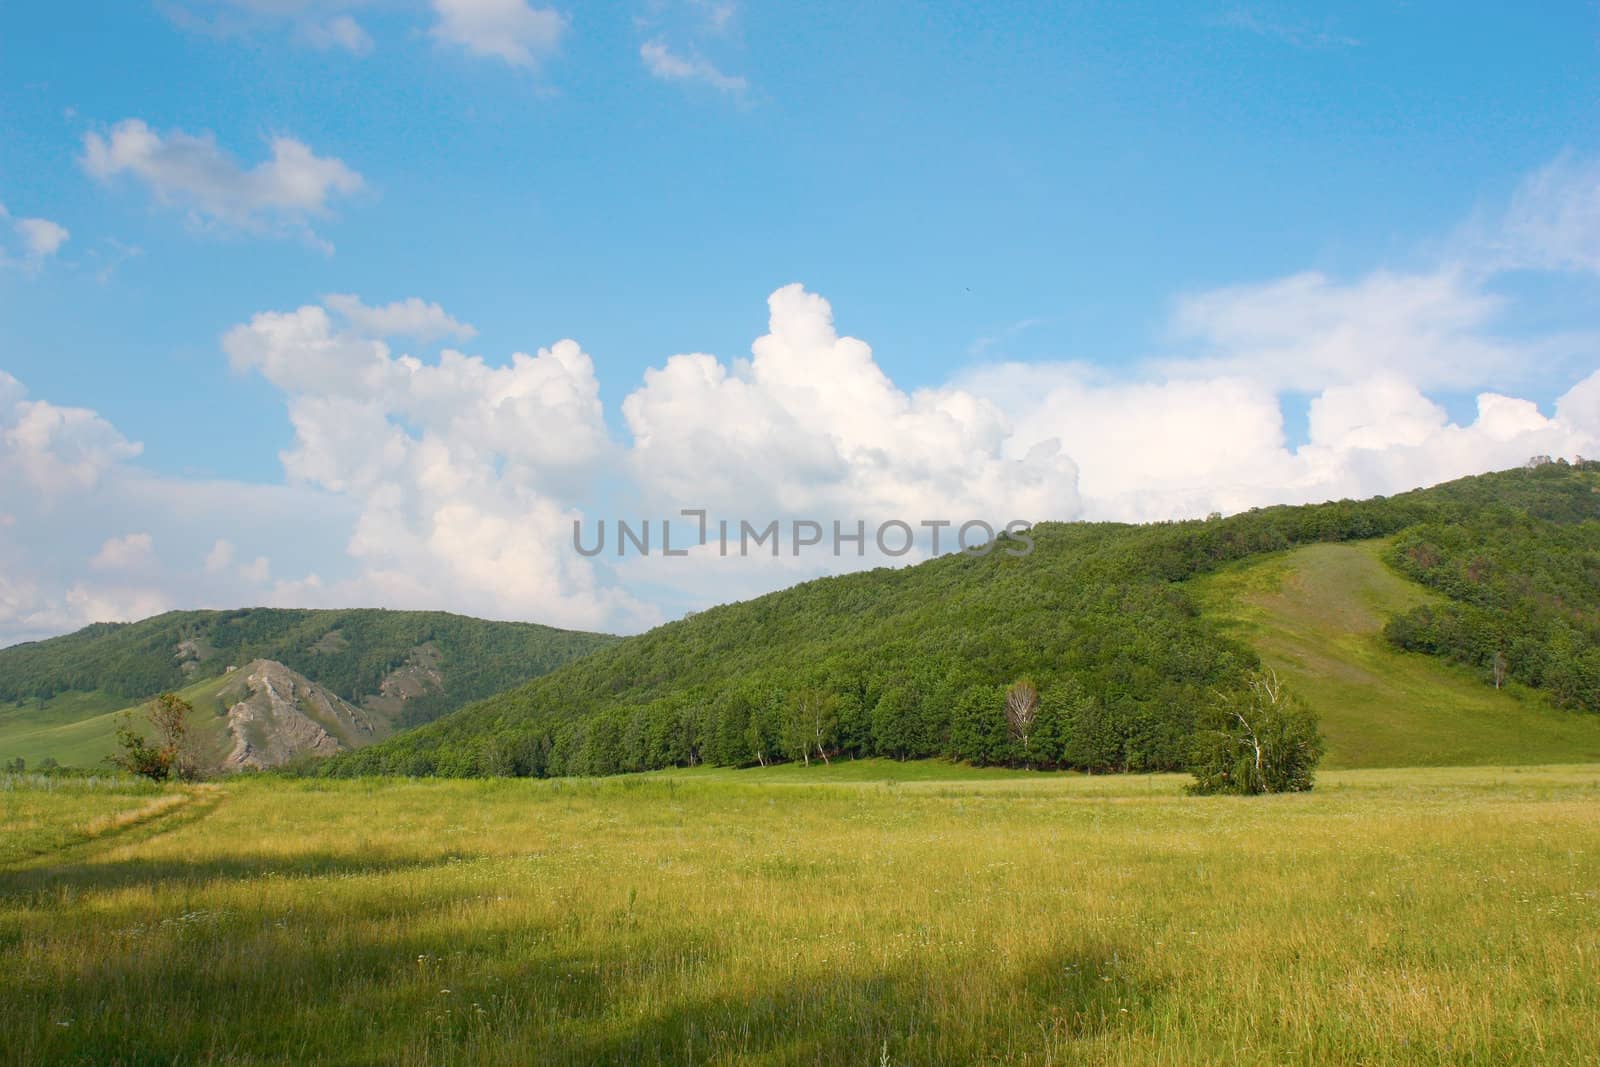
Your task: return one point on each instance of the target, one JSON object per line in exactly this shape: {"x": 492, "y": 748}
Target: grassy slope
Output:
{"x": 1433, "y": 916}
{"x": 1315, "y": 614}
{"x": 86, "y": 741}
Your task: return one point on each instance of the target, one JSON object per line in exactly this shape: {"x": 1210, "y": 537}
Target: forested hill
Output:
{"x": 914, "y": 662}
{"x": 411, "y": 665}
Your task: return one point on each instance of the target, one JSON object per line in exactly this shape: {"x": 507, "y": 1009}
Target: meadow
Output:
{"x": 869, "y": 912}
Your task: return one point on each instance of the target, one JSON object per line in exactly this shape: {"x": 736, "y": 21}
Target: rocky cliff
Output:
{"x": 278, "y": 714}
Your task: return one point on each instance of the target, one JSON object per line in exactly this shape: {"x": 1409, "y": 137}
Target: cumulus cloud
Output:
{"x": 460, "y": 469}
{"x": 512, "y": 30}
{"x": 191, "y": 173}
{"x": 128, "y": 552}
{"x": 667, "y": 65}
{"x": 55, "y": 449}
{"x": 1185, "y": 447}
{"x": 811, "y": 425}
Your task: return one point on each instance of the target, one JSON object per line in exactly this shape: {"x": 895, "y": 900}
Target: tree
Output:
{"x": 171, "y": 755}
{"x": 1094, "y": 738}
{"x": 1022, "y": 710}
{"x": 810, "y": 725}
{"x": 136, "y": 755}
{"x": 1259, "y": 739}
{"x": 894, "y": 723}
{"x": 1501, "y": 664}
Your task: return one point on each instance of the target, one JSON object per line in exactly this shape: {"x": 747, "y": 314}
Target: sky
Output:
{"x": 366, "y": 302}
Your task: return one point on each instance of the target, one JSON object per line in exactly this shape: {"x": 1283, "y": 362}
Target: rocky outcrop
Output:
{"x": 419, "y": 676}
{"x": 283, "y": 714}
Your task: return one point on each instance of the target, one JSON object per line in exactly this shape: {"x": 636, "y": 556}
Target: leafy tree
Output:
{"x": 136, "y": 755}
{"x": 1094, "y": 738}
{"x": 171, "y": 755}
{"x": 1256, "y": 740}
{"x": 894, "y": 723}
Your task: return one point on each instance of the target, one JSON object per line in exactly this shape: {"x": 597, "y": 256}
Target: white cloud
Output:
{"x": 459, "y": 469}
{"x": 115, "y": 604}
{"x": 55, "y": 449}
{"x": 341, "y": 31}
{"x": 667, "y": 65}
{"x": 412, "y": 317}
{"x": 129, "y": 552}
{"x": 41, "y": 237}
{"x": 1308, "y": 330}
{"x": 220, "y": 556}
{"x": 812, "y": 426}
{"x": 1553, "y": 221}
{"x": 324, "y": 24}
{"x": 257, "y": 571}
{"x": 512, "y": 30}
{"x": 192, "y": 173}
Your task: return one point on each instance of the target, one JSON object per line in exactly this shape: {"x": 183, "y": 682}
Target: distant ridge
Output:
{"x": 399, "y": 669}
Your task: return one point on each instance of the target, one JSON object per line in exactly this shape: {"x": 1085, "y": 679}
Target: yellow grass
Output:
{"x": 1436, "y": 916}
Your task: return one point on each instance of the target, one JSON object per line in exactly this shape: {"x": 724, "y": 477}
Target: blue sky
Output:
{"x": 982, "y": 196}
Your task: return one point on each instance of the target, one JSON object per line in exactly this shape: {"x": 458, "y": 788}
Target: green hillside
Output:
{"x": 1317, "y": 614}
{"x": 1123, "y": 644}
{"x": 59, "y": 698}
{"x": 72, "y": 741}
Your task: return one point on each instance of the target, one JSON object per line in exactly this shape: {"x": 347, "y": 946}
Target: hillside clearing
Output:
{"x": 1316, "y": 615}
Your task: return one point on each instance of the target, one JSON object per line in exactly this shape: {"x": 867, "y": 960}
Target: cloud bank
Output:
{"x": 424, "y": 476}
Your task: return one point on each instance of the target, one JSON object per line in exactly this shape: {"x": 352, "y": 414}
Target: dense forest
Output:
{"x": 918, "y": 661}
{"x": 349, "y": 652}
{"x": 1524, "y": 600}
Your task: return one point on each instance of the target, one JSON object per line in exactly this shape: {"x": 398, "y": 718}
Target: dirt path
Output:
{"x": 162, "y": 815}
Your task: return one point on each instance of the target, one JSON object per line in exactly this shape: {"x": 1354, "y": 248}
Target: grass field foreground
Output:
{"x": 1435, "y": 916}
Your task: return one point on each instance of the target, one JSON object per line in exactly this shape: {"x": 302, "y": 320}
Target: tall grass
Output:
{"x": 1443, "y": 916}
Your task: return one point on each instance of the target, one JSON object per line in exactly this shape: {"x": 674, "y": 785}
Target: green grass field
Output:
{"x": 1316, "y": 614}
{"x": 870, "y": 914}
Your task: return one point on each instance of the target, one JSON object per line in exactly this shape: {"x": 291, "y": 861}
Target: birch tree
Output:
{"x": 1256, "y": 739}
{"x": 1022, "y": 712}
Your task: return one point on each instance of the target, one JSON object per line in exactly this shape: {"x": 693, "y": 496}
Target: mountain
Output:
{"x": 1125, "y": 630}
{"x": 398, "y": 669}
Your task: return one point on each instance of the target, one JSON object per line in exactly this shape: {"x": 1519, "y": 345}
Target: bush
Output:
{"x": 1259, "y": 739}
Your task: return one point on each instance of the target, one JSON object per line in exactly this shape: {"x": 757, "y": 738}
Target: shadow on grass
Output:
{"x": 452, "y": 989}
{"x": 92, "y": 875}
{"x": 910, "y": 1015}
